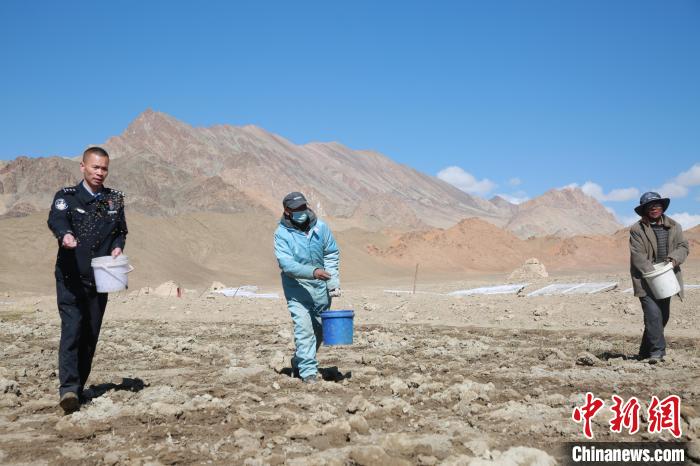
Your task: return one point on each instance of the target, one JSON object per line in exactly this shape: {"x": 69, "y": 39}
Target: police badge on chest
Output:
{"x": 107, "y": 205}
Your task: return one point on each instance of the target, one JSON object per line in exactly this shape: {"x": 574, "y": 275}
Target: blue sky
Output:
{"x": 498, "y": 97}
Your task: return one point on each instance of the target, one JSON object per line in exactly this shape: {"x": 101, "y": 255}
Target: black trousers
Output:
{"x": 81, "y": 309}
{"x": 656, "y": 315}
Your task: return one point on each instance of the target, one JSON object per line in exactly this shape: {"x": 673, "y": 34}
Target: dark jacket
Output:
{"x": 643, "y": 252}
{"x": 98, "y": 223}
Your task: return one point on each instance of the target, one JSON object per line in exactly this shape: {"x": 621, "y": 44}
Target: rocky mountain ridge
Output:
{"x": 168, "y": 167}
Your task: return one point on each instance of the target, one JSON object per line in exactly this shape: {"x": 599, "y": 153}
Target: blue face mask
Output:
{"x": 300, "y": 217}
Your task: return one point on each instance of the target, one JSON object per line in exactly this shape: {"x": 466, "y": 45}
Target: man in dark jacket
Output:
{"x": 88, "y": 221}
{"x": 655, "y": 239}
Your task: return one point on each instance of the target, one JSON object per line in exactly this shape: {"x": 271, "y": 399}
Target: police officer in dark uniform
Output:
{"x": 88, "y": 221}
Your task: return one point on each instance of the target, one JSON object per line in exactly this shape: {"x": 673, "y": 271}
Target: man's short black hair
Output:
{"x": 95, "y": 150}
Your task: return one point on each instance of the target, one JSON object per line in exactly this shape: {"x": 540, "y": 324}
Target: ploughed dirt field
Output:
{"x": 430, "y": 379}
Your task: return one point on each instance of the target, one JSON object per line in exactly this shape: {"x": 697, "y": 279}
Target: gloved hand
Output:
{"x": 334, "y": 293}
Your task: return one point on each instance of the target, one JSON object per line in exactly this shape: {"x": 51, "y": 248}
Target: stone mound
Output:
{"x": 166, "y": 289}
{"x": 530, "y": 270}
{"x": 216, "y": 286}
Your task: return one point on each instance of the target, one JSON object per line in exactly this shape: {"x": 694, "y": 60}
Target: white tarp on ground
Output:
{"x": 573, "y": 288}
{"x": 247, "y": 291}
{"x": 410, "y": 292}
{"x": 686, "y": 287}
{"x": 498, "y": 289}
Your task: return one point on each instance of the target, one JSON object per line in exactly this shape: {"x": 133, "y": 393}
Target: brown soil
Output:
{"x": 429, "y": 379}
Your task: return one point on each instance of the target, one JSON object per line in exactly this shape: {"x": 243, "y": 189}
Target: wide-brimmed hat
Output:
{"x": 648, "y": 198}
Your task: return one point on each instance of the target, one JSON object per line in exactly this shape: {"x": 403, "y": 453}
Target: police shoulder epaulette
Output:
{"x": 69, "y": 190}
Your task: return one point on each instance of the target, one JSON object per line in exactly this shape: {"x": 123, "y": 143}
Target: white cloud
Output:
{"x": 678, "y": 186}
{"x": 616, "y": 195}
{"x": 622, "y": 194}
{"x": 593, "y": 190}
{"x": 515, "y": 181}
{"x": 686, "y": 220}
{"x": 465, "y": 181}
{"x": 515, "y": 198}
{"x": 690, "y": 177}
{"x": 672, "y": 189}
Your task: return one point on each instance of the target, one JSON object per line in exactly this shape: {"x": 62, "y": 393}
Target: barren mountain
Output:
{"x": 693, "y": 237}
{"x": 562, "y": 212}
{"x": 476, "y": 245}
{"x": 168, "y": 167}
{"x": 695, "y": 231}
{"x": 503, "y": 204}
{"x": 27, "y": 184}
{"x": 362, "y": 188}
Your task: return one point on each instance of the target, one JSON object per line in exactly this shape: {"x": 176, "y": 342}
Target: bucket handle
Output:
{"x": 106, "y": 269}
{"x": 131, "y": 268}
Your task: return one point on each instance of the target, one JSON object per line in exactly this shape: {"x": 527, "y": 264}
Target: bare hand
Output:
{"x": 69, "y": 241}
{"x": 116, "y": 252}
{"x": 672, "y": 261}
{"x": 321, "y": 274}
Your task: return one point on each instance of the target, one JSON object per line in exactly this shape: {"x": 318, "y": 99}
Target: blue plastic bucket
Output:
{"x": 337, "y": 327}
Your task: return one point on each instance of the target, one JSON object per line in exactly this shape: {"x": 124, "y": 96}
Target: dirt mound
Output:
{"x": 166, "y": 289}
{"x": 472, "y": 244}
{"x": 146, "y": 290}
{"x": 216, "y": 286}
{"x": 582, "y": 252}
{"x": 532, "y": 269}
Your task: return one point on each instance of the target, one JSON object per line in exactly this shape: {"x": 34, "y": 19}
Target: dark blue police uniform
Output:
{"x": 98, "y": 224}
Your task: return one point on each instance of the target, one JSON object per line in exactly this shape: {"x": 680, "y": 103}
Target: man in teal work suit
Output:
{"x": 309, "y": 258}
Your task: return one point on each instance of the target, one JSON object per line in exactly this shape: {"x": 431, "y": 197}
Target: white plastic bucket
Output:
{"x": 111, "y": 273}
{"x": 662, "y": 281}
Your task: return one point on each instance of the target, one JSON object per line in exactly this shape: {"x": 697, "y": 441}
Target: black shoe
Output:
{"x": 310, "y": 379}
{"x": 656, "y": 359}
{"x": 69, "y": 402}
